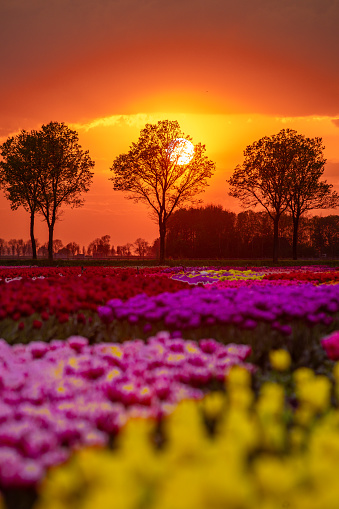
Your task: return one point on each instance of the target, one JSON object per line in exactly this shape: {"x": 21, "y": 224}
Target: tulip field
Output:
{"x": 169, "y": 387}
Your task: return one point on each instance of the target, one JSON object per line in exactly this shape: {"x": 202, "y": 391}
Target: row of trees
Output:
{"x": 42, "y": 170}
{"x": 280, "y": 173}
{"x": 100, "y": 247}
{"x": 212, "y": 232}
{"x": 208, "y": 232}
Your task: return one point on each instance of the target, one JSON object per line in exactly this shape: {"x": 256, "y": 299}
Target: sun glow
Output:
{"x": 180, "y": 151}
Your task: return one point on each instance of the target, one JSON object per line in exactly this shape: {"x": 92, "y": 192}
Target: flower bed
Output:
{"x": 292, "y": 316}
{"x": 60, "y": 396}
{"x": 49, "y": 306}
{"x": 94, "y": 362}
{"x": 230, "y": 450}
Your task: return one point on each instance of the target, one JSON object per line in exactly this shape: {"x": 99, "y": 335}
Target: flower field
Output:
{"x": 169, "y": 388}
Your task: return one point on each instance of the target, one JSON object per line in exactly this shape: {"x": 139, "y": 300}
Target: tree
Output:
{"x": 43, "y": 250}
{"x": 19, "y": 176}
{"x": 100, "y": 246}
{"x": 201, "y": 232}
{"x": 141, "y": 247}
{"x": 305, "y": 190}
{"x": 269, "y": 174}
{"x": 153, "y": 172}
{"x": 125, "y": 250}
{"x": 73, "y": 248}
{"x": 262, "y": 178}
{"x": 13, "y": 243}
{"x": 3, "y": 245}
{"x": 64, "y": 251}
{"x": 57, "y": 245}
{"x": 64, "y": 173}
{"x": 42, "y": 170}
{"x": 325, "y": 235}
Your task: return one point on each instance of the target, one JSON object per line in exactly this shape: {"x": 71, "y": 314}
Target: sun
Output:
{"x": 180, "y": 151}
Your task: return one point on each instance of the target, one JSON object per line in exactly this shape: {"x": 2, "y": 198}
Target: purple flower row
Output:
{"x": 59, "y": 396}
{"x": 243, "y": 307}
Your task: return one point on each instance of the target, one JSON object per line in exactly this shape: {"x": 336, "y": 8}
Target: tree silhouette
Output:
{"x": 100, "y": 246}
{"x": 125, "y": 250}
{"x": 201, "y": 232}
{"x": 42, "y": 170}
{"x": 305, "y": 190}
{"x": 151, "y": 173}
{"x": 57, "y": 245}
{"x": 19, "y": 176}
{"x": 13, "y": 245}
{"x": 277, "y": 173}
{"x": 73, "y": 248}
{"x": 141, "y": 247}
{"x": 43, "y": 249}
{"x": 325, "y": 235}
{"x": 64, "y": 172}
{"x": 3, "y": 246}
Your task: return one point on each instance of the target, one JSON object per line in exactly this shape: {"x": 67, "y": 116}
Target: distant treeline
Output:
{"x": 212, "y": 232}
{"x": 98, "y": 248}
{"x": 209, "y": 232}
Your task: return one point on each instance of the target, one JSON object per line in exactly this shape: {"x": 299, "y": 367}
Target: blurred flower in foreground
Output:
{"x": 280, "y": 359}
{"x": 254, "y": 457}
{"x": 331, "y": 345}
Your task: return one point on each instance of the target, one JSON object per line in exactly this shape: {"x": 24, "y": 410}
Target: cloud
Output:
{"x": 136, "y": 120}
{"x": 81, "y": 59}
{"x": 335, "y": 121}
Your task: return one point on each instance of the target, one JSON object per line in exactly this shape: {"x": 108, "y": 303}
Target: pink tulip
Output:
{"x": 331, "y": 345}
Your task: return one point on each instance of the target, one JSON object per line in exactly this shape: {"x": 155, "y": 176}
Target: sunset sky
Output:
{"x": 230, "y": 72}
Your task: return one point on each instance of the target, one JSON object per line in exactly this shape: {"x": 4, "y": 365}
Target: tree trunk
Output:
{"x": 295, "y": 237}
{"x": 32, "y": 236}
{"x": 276, "y": 239}
{"x": 50, "y": 241}
{"x": 162, "y": 233}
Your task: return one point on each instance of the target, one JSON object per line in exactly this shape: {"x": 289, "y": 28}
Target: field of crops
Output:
{"x": 169, "y": 388}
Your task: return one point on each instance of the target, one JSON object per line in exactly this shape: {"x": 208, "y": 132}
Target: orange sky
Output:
{"x": 229, "y": 72}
